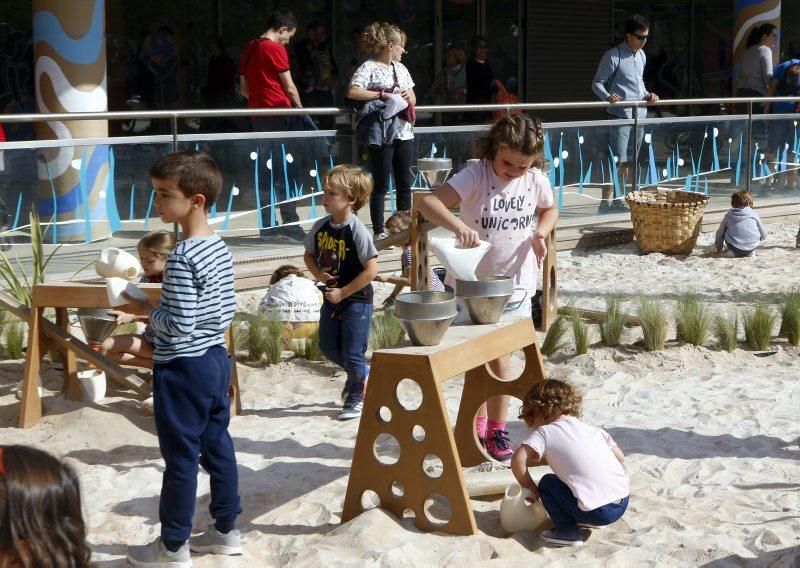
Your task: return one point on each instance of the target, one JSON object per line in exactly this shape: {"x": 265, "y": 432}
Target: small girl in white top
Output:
{"x": 590, "y": 488}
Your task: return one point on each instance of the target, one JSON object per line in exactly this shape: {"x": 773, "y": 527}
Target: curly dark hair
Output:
{"x": 519, "y": 133}
{"x": 41, "y": 523}
{"x": 549, "y": 398}
{"x": 283, "y": 271}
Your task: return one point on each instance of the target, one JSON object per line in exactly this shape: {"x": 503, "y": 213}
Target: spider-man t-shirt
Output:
{"x": 341, "y": 251}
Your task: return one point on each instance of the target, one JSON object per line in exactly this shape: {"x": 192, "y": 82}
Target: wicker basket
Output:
{"x": 666, "y": 221}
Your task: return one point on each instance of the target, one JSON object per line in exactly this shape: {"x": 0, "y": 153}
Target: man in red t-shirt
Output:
{"x": 267, "y": 83}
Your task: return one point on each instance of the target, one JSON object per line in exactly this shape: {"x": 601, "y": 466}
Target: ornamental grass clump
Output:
{"x": 758, "y": 324}
{"x": 726, "y": 329}
{"x": 653, "y": 319}
{"x": 790, "y": 317}
{"x": 692, "y": 319}
{"x": 14, "y": 340}
{"x": 264, "y": 338}
{"x": 580, "y": 332}
{"x": 555, "y": 337}
{"x": 614, "y": 321}
{"x": 274, "y": 337}
{"x": 386, "y": 330}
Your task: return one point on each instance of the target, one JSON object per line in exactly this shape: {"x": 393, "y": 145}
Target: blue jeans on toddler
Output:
{"x": 343, "y": 338}
{"x": 562, "y": 506}
{"x": 192, "y": 412}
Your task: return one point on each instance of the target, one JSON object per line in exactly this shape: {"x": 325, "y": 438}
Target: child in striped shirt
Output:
{"x": 394, "y": 224}
{"x": 191, "y": 367}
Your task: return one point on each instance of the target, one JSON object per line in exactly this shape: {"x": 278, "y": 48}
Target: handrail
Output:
{"x": 326, "y": 111}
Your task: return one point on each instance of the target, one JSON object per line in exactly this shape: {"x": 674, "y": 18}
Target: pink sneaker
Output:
{"x": 497, "y": 446}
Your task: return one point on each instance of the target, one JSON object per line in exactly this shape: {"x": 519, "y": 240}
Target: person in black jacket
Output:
{"x": 480, "y": 78}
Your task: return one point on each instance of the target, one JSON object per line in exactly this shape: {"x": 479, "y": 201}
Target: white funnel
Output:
{"x": 458, "y": 261}
{"x": 517, "y": 514}
{"x": 117, "y": 263}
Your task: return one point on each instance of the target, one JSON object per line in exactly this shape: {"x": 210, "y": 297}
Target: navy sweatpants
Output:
{"x": 192, "y": 412}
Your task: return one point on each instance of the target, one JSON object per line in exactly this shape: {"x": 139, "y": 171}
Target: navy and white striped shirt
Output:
{"x": 197, "y": 299}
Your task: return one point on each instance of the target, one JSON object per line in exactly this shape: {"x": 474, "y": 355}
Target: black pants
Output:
{"x": 288, "y": 211}
{"x": 396, "y": 158}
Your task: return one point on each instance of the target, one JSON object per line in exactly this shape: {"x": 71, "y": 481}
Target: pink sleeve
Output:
{"x": 536, "y": 442}
{"x": 609, "y": 440}
{"x": 544, "y": 193}
{"x": 465, "y": 183}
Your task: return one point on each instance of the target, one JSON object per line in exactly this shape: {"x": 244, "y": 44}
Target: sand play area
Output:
{"x": 711, "y": 440}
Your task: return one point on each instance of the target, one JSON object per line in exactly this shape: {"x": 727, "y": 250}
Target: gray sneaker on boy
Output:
{"x": 215, "y": 542}
{"x": 353, "y": 405}
{"x": 156, "y": 554}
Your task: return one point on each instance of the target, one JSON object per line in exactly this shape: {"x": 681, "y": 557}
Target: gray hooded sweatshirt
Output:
{"x": 742, "y": 228}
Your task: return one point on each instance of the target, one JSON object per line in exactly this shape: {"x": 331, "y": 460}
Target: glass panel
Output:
{"x": 503, "y": 33}
{"x": 776, "y": 147}
{"x": 288, "y": 173}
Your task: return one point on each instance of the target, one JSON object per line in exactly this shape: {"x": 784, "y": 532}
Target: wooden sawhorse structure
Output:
{"x": 42, "y": 335}
{"x": 425, "y": 432}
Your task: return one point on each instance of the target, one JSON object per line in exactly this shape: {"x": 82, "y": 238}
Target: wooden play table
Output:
{"x": 63, "y": 295}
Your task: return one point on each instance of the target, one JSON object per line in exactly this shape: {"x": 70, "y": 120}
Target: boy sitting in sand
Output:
{"x": 741, "y": 228}
{"x": 590, "y": 488}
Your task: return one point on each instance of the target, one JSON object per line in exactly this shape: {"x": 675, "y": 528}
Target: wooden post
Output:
{"x": 420, "y": 262}
{"x": 236, "y": 399}
{"x": 72, "y": 387}
{"x": 549, "y": 283}
{"x": 31, "y": 403}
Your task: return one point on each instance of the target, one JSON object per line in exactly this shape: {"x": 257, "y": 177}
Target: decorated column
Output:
{"x": 70, "y": 73}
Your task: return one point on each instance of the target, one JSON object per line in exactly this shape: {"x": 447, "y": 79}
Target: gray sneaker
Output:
{"x": 352, "y": 406}
{"x": 215, "y": 542}
{"x": 156, "y": 554}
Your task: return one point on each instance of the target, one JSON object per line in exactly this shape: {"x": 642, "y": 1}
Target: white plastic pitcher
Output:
{"x": 117, "y": 263}
{"x": 115, "y": 287}
{"x": 517, "y": 514}
{"x": 458, "y": 261}
{"x": 93, "y": 384}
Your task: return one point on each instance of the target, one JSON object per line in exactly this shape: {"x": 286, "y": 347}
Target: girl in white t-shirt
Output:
{"x": 590, "y": 487}
{"x": 499, "y": 199}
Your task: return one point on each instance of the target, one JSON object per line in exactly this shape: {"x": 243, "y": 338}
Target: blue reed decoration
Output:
{"x": 561, "y": 172}
{"x": 580, "y": 163}
{"x": 652, "y": 169}
{"x": 114, "y": 222}
{"x": 587, "y": 179}
{"x": 548, "y": 157}
{"x": 15, "y": 224}
{"x": 730, "y": 145}
{"x": 130, "y": 206}
{"x": 273, "y": 195}
{"x": 687, "y": 186}
{"x": 213, "y": 212}
{"x": 698, "y": 165}
{"x": 330, "y": 159}
{"x": 739, "y": 158}
{"x": 755, "y": 154}
{"x": 602, "y": 173}
{"x": 227, "y": 222}
{"x": 677, "y": 159}
{"x": 85, "y": 197}
{"x": 715, "y": 157}
{"x": 433, "y": 149}
{"x": 444, "y": 153}
{"x": 313, "y": 211}
{"x": 286, "y": 189}
{"x": 612, "y": 173}
{"x": 669, "y": 167}
{"x": 705, "y": 186}
{"x": 54, "y": 217}
{"x": 259, "y": 214}
{"x": 149, "y": 207}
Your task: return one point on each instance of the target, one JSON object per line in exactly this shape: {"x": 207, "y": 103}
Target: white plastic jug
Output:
{"x": 117, "y": 263}
{"x": 115, "y": 287}
{"x": 458, "y": 261}
{"x": 517, "y": 514}
{"x": 93, "y": 384}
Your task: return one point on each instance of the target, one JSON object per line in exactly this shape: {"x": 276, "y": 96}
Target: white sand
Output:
{"x": 711, "y": 440}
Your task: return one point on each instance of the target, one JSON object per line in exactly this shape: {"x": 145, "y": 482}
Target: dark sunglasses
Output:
{"x": 641, "y": 37}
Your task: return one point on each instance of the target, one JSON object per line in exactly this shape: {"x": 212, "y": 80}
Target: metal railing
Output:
{"x": 173, "y": 116}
